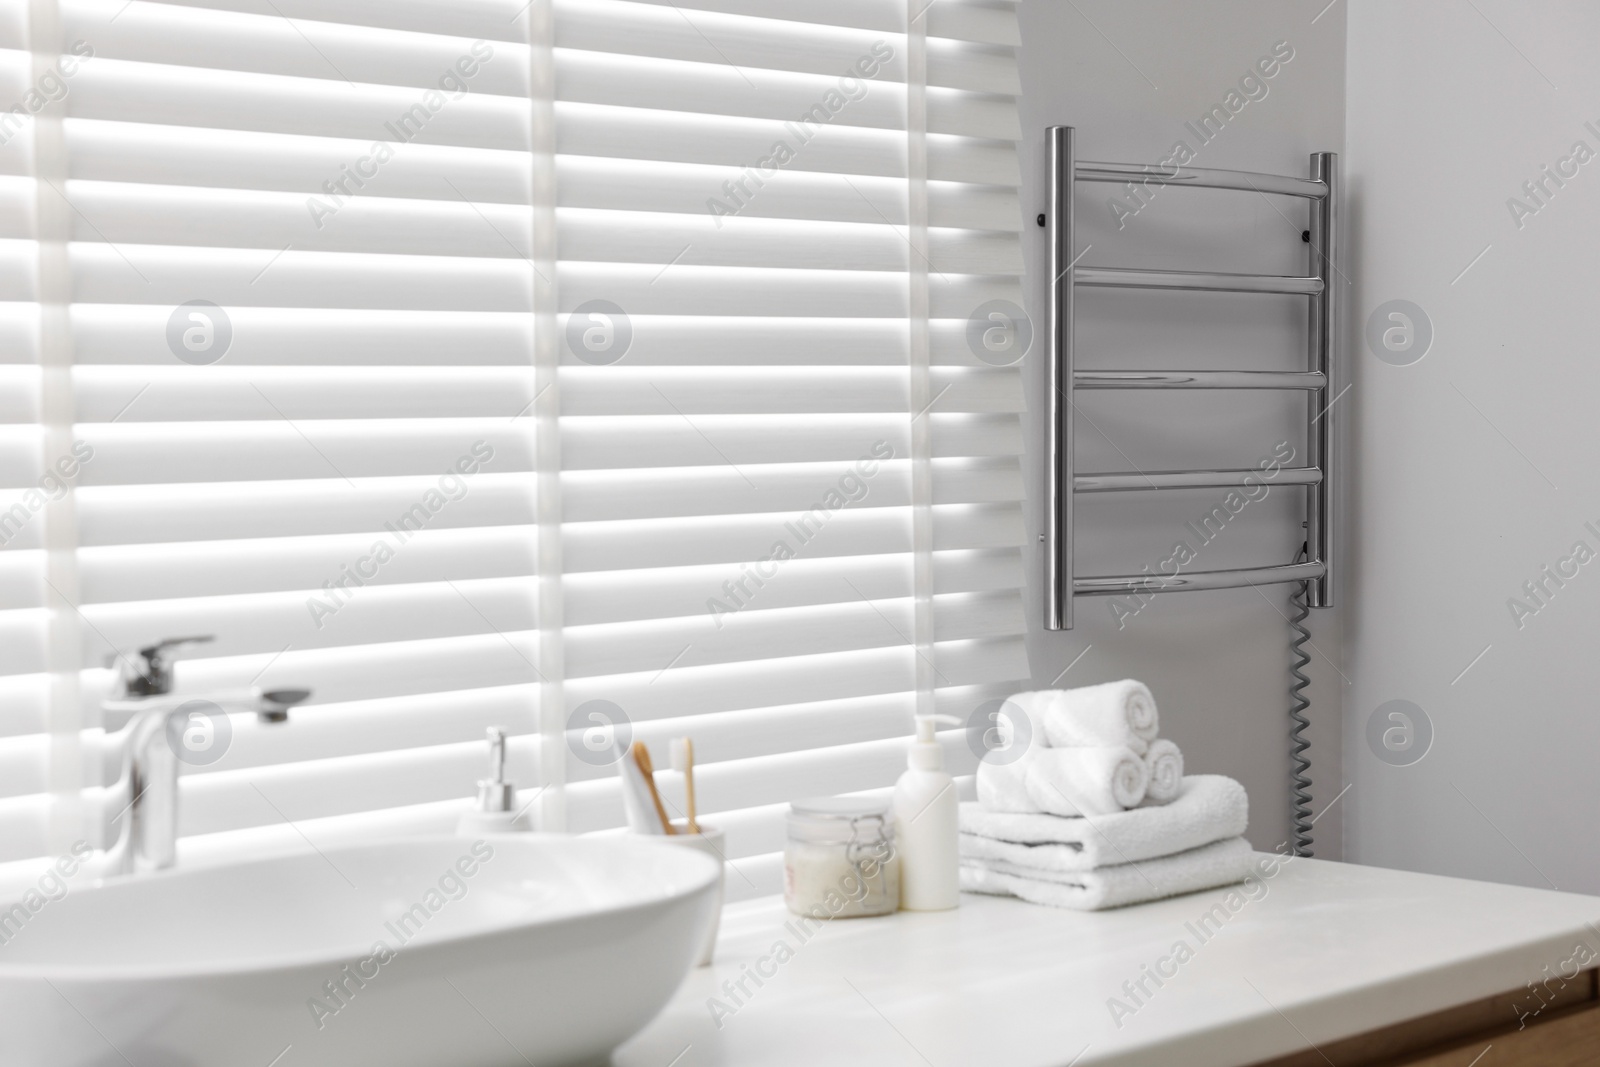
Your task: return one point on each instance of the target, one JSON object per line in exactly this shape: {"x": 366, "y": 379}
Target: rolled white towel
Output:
{"x": 1113, "y": 713}
{"x": 1064, "y": 781}
{"x": 1085, "y": 781}
{"x": 1004, "y": 786}
{"x": 1165, "y": 763}
{"x": 1002, "y": 773}
{"x": 1024, "y": 714}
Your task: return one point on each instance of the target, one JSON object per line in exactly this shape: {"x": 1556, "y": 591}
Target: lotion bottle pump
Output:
{"x": 925, "y": 805}
{"x": 492, "y": 813}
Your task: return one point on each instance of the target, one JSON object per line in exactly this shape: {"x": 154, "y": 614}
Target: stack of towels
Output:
{"x": 1096, "y": 811}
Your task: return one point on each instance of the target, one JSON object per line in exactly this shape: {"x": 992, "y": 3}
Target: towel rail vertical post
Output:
{"x": 1060, "y": 477}
{"x": 1323, "y": 339}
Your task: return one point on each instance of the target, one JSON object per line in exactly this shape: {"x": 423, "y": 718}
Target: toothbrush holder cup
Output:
{"x": 710, "y": 841}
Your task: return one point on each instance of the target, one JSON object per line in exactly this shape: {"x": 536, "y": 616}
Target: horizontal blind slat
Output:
{"x": 318, "y": 618}
{"x": 734, "y": 635}
{"x": 492, "y": 19}
{"x": 269, "y": 43}
{"x": 624, "y": 596}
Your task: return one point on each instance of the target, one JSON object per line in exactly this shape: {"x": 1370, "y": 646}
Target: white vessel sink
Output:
{"x": 444, "y": 952}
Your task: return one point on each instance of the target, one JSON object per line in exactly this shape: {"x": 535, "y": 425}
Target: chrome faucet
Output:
{"x": 148, "y": 840}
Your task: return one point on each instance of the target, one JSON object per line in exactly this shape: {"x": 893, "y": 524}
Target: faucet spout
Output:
{"x": 147, "y": 786}
{"x": 275, "y": 703}
{"x": 148, "y": 791}
{"x": 160, "y": 731}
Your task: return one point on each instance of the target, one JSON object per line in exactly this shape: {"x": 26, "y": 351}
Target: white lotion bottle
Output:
{"x": 925, "y": 804}
{"x": 492, "y": 813}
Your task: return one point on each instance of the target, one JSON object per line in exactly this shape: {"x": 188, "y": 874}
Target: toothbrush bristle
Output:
{"x": 680, "y": 754}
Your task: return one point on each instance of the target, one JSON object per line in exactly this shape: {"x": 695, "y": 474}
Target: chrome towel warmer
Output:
{"x": 1064, "y": 379}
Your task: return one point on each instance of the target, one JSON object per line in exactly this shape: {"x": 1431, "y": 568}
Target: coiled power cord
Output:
{"x": 1298, "y": 706}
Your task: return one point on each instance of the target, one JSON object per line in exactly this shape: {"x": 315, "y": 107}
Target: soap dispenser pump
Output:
{"x": 925, "y": 805}
{"x": 492, "y": 813}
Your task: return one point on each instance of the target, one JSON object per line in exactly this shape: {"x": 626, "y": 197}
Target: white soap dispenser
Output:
{"x": 492, "y": 813}
{"x": 925, "y": 804}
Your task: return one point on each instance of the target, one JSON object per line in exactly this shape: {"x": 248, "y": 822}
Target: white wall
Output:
{"x": 1475, "y": 467}
{"x": 1128, "y": 76}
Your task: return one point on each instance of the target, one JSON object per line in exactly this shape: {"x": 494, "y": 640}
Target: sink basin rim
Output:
{"x": 341, "y": 953}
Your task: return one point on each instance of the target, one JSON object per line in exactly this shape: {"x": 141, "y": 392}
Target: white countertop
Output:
{"x": 1327, "y": 950}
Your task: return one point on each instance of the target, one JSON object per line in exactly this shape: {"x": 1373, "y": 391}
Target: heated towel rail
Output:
{"x": 1064, "y": 481}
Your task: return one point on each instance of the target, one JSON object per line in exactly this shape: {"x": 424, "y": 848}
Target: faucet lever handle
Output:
{"x": 153, "y": 676}
{"x": 154, "y": 652}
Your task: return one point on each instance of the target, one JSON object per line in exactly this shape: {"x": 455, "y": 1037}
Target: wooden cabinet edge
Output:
{"x": 1565, "y": 1032}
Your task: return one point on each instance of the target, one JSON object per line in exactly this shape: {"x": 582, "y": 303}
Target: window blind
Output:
{"x": 301, "y": 354}
{"x": 319, "y": 262}
{"x": 791, "y": 503}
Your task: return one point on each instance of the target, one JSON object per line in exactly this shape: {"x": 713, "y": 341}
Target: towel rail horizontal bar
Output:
{"x": 1210, "y": 479}
{"x": 1202, "y": 178}
{"x": 1127, "y": 584}
{"x": 1199, "y": 379}
{"x": 1203, "y": 281}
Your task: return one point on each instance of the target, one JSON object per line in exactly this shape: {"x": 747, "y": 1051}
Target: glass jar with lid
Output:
{"x": 840, "y": 859}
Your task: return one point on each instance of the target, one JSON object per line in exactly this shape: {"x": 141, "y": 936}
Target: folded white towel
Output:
{"x": 1115, "y": 713}
{"x": 1165, "y": 763}
{"x": 1216, "y": 864}
{"x": 1209, "y": 807}
{"x": 1064, "y": 781}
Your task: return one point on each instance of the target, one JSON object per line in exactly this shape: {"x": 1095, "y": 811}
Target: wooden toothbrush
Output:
{"x": 641, "y": 756}
{"x": 683, "y": 763}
